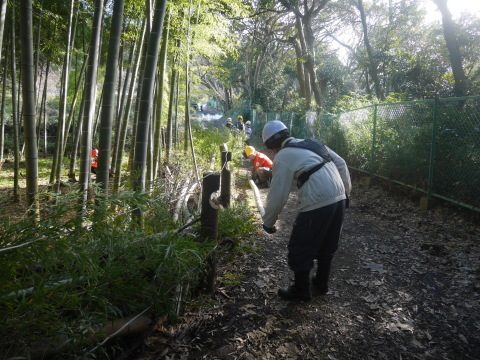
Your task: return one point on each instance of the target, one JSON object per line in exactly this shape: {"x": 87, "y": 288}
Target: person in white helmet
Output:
{"x": 248, "y": 132}
{"x": 323, "y": 182}
{"x": 229, "y": 123}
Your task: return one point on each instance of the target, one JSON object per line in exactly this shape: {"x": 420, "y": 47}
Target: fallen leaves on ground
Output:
{"x": 404, "y": 285}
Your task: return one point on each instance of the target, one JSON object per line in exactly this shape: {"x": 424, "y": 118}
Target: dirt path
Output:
{"x": 404, "y": 286}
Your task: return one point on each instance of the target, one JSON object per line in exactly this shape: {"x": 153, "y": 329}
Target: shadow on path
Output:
{"x": 404, "y": 286}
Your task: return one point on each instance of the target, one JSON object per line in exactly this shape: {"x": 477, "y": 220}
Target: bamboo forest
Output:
{"x": 130, "y": 215}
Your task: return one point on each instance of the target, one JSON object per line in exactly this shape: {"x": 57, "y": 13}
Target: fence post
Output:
{"x": 428, "y": 202}
{"x": 209, "y": 223}
{"x": 226, "y": 176}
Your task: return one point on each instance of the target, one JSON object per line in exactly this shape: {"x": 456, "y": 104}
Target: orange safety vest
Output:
{"x": 94, "y": 158}
{"x": 262, "y": 160}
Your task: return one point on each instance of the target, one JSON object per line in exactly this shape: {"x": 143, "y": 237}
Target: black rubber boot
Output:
{"x": 320, "y": 280}
{"x": 300, "y": 290}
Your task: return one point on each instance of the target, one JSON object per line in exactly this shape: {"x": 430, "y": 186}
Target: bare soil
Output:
{"x": 404, "y": 285}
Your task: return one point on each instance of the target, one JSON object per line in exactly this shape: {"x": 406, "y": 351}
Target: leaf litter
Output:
{"x": 404, "y": 285}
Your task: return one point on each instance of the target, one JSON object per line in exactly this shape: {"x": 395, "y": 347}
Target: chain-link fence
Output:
{"x": 300, "y": 125}
{"x": 430, "y": 145}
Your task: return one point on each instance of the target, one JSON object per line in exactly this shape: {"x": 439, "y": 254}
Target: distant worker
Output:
{"x": 262, "y": 167}
{"x": 94, "y": 164}
{"x": 248, "y": 132}
{"x": 323, "y": 182}
{"x": 239, "y": 125}
{"x": 229, "y": 123}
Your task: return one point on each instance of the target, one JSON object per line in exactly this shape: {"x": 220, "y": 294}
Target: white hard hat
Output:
{"x": 247, "y": 122}
{"x": 271, "y": 128}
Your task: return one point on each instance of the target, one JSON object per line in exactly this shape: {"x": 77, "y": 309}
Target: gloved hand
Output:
{"x": 347, "y": 202}
{"x": 269, "y": 230}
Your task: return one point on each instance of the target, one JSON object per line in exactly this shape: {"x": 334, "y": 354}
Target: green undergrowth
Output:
{"x": 67, "y": 278}
{"x": 64, "y": 278}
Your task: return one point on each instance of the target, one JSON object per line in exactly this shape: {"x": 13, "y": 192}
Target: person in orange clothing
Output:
{"x": 262, "y": 167}
{"x": 94, "y": 164}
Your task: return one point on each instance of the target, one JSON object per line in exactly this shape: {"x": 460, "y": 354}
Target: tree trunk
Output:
{"x": 2, "y": 114}
{"x": 89, "y": 104}
{"x": 43, "y": 112}
{"x": 16, "y": 127}
{"x": 97, "y": 116}
{"x": 160, "y": 92}
{"x": 169, "y": 131}
{"x": 71, "y": 113}
{"x": 176, "y": 139}
{"x": 29, "y": 113}
{"x": 372, "y": 64}
{"x": 3, "y": 11}
{"x": 108, "y": 104}
{"x": 256, "y": 74}
{"x": 37, "y": 44}
{"x": 285, "y": 93}
{"x": 139, "y": 91}
{"x": 120, "y": 108}
{"x": 299, "y": 67}
{"x": 149, "y": 174}
{"x": 120, "y": 85}
{"x": 146, "y": 97}
{"x": 460, "y": 87}
{"x": 310, "y": 61}
{"x": 124, "y": 119}
{"x": 187, "y": 125}
{"x": 249, "y": 62}
{"x": 303, "y": 59}
{"x": 76, "y": 143}
{"x": 157, "y": 135}
{"x": 61, "y": 136}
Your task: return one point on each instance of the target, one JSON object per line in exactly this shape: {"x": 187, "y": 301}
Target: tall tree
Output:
{"x": 160, "y": 93}
{"x": 126, "y": 114}
{"x": 146, "y": 96}
{"x": 3, "y": 11}
{"x": 371, "y": 59}
{"x": 305, "y": 11}
{"x": 89, "y": 102}
{"x": 61, "y": 133}
{"x": 16, "y": 125}
{"x": 2, "y": 109}
{"x": 108, "y": 104}
{"x": 460, "y": 87}
{"x": 171, "y": 104}
{"x": 29, "y": 115}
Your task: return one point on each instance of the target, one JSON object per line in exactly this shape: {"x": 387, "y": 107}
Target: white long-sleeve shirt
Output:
{"x": 326, "y": 186}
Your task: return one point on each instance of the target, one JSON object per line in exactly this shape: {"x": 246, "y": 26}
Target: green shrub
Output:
{"x": 73, "y": 278}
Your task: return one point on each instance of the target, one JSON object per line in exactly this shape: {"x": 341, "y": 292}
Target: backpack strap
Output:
{"x": 315, "y": 146}
{"x": 302, "y": 179}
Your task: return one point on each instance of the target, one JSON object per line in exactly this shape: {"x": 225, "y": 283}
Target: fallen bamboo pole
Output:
{"x": 55, "y": 346}
{"x": 180, "y": 201}
{"x": 188, "y": 216}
